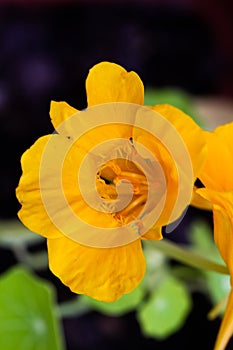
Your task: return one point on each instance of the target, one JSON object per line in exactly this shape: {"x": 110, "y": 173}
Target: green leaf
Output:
{"x": 126, "y": 303}
{"x": 166, "y": 310}
{"x": 27, "y": 313}
{"x": 218, "y": 286}
{"x": 13, "y": 233}
{"x": 201, "y": 237}
{"x": 156, "y": 266}
{"x": 175, "y": 97}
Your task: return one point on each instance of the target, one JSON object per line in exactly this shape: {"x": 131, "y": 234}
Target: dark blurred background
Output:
{"x": 46, "y": 50}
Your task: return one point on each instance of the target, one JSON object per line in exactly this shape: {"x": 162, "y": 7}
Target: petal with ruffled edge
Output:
{"x": 103, "y": 274}
{"x": 32, "y": 213}
{"x": 109, "y": 82}
{"x": 60, "y": 111}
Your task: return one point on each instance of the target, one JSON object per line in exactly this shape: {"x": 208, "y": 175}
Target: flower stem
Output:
{"x": 73, "y": 308}
{"x": 36, "y": 260}
{"x": 188, "y": 257}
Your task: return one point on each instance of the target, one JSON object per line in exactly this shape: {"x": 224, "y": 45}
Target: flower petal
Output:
{"x": 191, "y": 133}
{"x": 218, "y": 169}
{"x": 109, "y": 82}
{"x": 199, "y": 202}
{"x": 32, "y": 213}
{"x": 223, "y": 222}
{"x": 169, "y": 172}
{"x": 59, "y": 112}
{"x": 226, "y": 329}
{"x": 153, "y": 234}
{"x": 179, "y": 145}
{"x": 216, "y": 175}
{"x": 103, "y": 274}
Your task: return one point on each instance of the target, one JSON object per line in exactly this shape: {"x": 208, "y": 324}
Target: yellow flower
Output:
{"x": 77, "y": 255}
{"x": 217, "y": 177}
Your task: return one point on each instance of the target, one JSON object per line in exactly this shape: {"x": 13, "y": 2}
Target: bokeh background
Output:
{"x": 46, "y": 50}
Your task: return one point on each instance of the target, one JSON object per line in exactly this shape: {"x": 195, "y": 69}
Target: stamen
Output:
{"x": 115, "y": 167}
{"x": 135, "y": 204}
{"x": 140, "y": 188}
{"x": 111, "y": 174}
{"x": 132, "y": 175}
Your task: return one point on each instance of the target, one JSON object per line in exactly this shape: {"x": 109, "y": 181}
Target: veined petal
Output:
{"x": 32, "y": 213}
{"x": 74, "y": 179}
{"x": 109, "y": 82}
{"x": 218, "y": 169}
{"x": 226, "y": 329}
{"x": 169, "y": 172}
{"x": 191, "y": 133}
{"x": 104, "y": 133}
{"x": 223, "y": 222}
{"x": 59, "y": 112}
{"x": 103, "y": 274}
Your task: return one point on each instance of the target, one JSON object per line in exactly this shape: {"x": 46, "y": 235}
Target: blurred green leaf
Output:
{"x": 74, "y": 308}
{"x": 175, "y": 97}
{"x": 27, "y": 313}
{"x": 157, "y": 265}
{"x": 201, "y": 238}
{"x": 126, "y": 303}
{"x": 218, "y": 286}
{"x": 166, "y": 309}
{"x": 14, "y": 233}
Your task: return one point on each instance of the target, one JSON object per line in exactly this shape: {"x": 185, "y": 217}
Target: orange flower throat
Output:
{"x": 110, "y": 175}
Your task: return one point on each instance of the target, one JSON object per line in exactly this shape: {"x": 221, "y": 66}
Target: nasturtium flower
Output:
{"x": 105, "y": 273}
{"x": 217, "y": 178}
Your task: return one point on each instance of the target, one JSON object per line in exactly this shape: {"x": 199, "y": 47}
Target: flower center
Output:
{"x": 115, "y": 171}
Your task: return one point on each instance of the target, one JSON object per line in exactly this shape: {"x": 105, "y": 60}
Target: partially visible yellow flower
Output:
{"x": 104, "y": 273}
{"x": 217, "y": 177}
